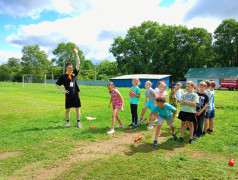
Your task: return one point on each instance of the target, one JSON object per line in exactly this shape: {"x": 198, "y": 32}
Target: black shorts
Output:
{"x": 186, "y": 116}
{"x": 72, "y": 100}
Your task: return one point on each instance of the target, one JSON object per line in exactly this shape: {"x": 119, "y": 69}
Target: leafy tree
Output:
{"x": 34, "y": 61}
{"x": 15, "y": 68}
{"x": 4, "y": 73}
{"x": 226, "y": 43}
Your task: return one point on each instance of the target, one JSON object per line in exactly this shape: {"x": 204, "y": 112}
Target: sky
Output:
{"x": 93, "y": 24}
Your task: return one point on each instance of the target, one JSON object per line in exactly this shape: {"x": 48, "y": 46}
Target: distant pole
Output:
{"x": 45, "y": 82}
{"x": 23, "y": 81}
{"x": 52, "y": 76}
{"x": 95, "y": 72}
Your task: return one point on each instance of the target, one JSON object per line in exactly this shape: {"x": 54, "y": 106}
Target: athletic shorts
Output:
{"x": 72, "y": 100}
{"x": 150, "y": 103}
{"x": 169, "y": 121}
{"x": 186, "y": 116}
{"x": 210, "y": 114}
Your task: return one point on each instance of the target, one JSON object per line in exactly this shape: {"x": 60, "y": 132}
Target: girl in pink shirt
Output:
{"x": 117, "y": 104}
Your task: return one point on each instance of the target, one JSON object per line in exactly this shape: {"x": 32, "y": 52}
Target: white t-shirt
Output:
{"x": 179, "y": 94}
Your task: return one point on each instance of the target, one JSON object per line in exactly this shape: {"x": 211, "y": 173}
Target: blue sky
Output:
{"x": 92, "y": 24}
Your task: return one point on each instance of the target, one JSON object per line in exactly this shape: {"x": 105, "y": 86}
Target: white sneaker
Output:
{"x": 67, "y": 124}
{"x": 141, "y": 120}
{"x": 176, "y": 115}
{"x": 120, "y": 126}
{"x": 79, "y": 125}
{"x": 111, "y": 131}
{"x": 150, "y": 126}
{"x": 156, "y": 120}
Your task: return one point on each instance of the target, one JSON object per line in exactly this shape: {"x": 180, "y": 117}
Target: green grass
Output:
{"x": 32, "y": 125}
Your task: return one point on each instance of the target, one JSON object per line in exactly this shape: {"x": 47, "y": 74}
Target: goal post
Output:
{"x": 30, "y": 80}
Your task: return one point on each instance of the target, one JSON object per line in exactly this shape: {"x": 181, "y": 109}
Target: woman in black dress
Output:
{"x": 69, "y": 80}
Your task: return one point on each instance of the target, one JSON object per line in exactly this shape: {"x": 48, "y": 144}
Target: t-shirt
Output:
{"x": 165, "y": 113}
{"x": 173, "y": 100}
{"x": 164, "y": 94}
{"x": 213, "y": 99}
{"x": 210, "y": 99}
{"x": 179, "y": 94}
{"x": 149, "y": 94}
{"x": 65, "y": 80}
{"x": 203, "y": 99}
{"x": 134, "y": 99}
{"x": 193, "y": 97}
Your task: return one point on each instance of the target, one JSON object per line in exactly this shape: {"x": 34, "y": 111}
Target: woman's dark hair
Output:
{"x": 68, "y": 64}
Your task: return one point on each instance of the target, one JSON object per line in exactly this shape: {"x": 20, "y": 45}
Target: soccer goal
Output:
{"x": 27, "y": 78}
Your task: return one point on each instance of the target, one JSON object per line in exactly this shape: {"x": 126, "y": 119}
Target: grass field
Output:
{"x": 35, "y": 145}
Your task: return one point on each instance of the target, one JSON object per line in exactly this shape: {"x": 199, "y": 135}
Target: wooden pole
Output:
{"x": 23, "y": 81}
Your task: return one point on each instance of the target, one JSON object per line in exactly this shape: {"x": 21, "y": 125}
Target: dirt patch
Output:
{"x": 176, "y": 151}
{"x": 9, "y": 154}
{"x": 119, "y": 143}
{"x": 196, "y": 155}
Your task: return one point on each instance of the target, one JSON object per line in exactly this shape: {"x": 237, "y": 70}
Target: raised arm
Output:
{"x": 77, "y": 58}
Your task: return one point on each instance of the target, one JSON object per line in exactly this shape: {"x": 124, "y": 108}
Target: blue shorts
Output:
{"x": 210, "y": 114}
{"x": 149, "y": 103}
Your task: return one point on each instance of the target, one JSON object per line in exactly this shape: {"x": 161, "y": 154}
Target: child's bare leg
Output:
{"x": 205, "y": 125}
{"x": 152, "y": 118}
{"x": 67, "y": 113}
{"x": 143, "y": 111}
{"x": 182, "y": 128}
{"x": 211, "y": 123}
{"x": 118, "y": 119}
{"x": 114, "y": 117}
{"x": 157, "y": 132}
{"x": 77, "y": 113}
{"x": 172, "y": 129}
{"x": 148, "y": 119}
{"x": 191, "y": 130}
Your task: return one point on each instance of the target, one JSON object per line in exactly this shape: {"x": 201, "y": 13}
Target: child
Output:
{"x": 188, "y": 103}
{"x": 179, "y": 93}
{"x": 165, "y": 113}
{"x": 173, "y": 97}
{"x": 134, "y": 99}
{"x": 160, "y": 92}
{"x": 117, "y": 104}
{"x": 211, "y": 109}
{"x": 149, "y": 93}
{"x": 208, "y": 111}
{"x": 200, "y": 109}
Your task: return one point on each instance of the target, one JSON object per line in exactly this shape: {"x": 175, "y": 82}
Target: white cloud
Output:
{"x": 94, "y": 30}
{"x": 5, "y": 55}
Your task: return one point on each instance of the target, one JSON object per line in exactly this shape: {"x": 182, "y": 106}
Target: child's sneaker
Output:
{"x": 154, "y": 144}
{"x": 191, "y": 141}
{"x": 150, "y": 126}
{"x": 79, "y": 125}
{"x": 141, "y": 120}
{"x": 111, "y": 131}
{"x": 120, "y": 126}
{"x": 67, "y": 124}
{"x": 175, "y": 137}
{"x": 209, "y": 131}
{"x": 196, "y": 137}
{"x": 180, "y": 140}
{"x": 156, "y": 120}
{"x": 135, "y": 127}
{"x": 131, "y": 125}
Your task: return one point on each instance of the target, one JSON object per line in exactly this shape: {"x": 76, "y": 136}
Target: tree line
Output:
{"x": 150, "y": 48}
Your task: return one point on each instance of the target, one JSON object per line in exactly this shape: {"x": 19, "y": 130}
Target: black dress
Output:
{"x": 72, "y": 98}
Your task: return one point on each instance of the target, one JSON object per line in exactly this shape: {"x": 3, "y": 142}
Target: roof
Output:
{"x": 213, "y": 72}
{"x": 142, "y": 76}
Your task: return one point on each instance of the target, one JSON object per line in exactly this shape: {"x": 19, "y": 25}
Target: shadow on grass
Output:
{"x": 147, "y": 147}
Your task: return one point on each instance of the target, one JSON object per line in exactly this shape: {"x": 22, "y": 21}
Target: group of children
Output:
{"x": 197, "y": 106}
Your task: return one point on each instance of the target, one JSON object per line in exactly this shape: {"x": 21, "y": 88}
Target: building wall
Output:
{"x": 128, "y": 82}
{"x": 197, "y": 80}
